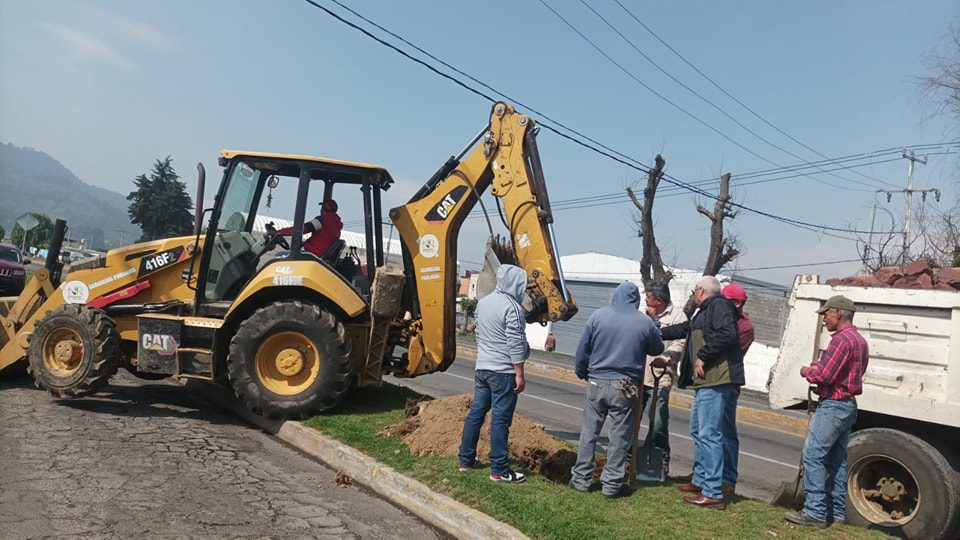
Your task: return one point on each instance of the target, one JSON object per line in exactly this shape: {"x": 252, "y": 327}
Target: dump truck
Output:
{"x": 289, "y": 331}
{"x": 904, "y": 451}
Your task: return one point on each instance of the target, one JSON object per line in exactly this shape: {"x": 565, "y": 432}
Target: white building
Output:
{"x": 592, "y": 277}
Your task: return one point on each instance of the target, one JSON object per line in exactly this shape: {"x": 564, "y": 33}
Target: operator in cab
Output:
{"x": 325, "y": 229}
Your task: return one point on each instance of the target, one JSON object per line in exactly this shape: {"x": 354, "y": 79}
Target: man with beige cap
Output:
{"x": 839, "y": 377}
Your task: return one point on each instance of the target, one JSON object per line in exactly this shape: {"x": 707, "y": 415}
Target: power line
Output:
{"x": 798, "y": 265}
{"x": 467, "y": 75}
{"x": 670, "y": 191}
{"x": 674, "y": 104}
{"x": 626, "y": 160}
{"x": 557, "y": 122}
{"x": 705, "y": 99}
{"x": 728, "y": 94}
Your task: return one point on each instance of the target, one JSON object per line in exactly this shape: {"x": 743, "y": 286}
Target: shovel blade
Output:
{"x": 790, "y": 495}
{"x": 650, "y": 465}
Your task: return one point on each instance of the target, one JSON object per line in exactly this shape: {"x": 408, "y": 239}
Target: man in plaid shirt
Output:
{"x": 839, "y": 377}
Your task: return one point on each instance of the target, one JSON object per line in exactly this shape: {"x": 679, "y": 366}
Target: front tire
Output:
{"x": 74, "y": 351}
{"x": 290, "y": 359}
{"x": 900, "y": 484}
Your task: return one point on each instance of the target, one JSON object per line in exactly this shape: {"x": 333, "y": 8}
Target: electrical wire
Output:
{"x": 611, "y": 154}
{"x": 706, "y": 100}
{"x": 728, "y": 94}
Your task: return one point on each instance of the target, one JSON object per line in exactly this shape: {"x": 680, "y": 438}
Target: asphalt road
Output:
{"x": 147, "y": 459}
{"x": 766, "y": 456}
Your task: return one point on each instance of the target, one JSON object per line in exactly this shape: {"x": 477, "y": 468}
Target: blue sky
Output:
{"x": 108, "y": 86}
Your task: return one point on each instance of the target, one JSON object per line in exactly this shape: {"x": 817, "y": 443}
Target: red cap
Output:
{"x": 330, "y": 205}
{"x": 734, "y": 292}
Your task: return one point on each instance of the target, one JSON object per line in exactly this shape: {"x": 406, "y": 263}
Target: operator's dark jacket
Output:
{"x": 712, "y": 336}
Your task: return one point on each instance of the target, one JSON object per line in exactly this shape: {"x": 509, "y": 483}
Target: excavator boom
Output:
{"x": 504, "y": 159}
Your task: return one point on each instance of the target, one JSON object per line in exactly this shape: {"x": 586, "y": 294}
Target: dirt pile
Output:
{"x": 916, "y": 275}
{"x": 433, "y": 428}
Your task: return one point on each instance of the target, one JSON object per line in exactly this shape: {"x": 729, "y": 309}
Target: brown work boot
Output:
{"x": 705, "y": 502}
{"x": 687, "y": 487}
{"x": 687, "y": 478}
{"x": 729, "y": 490}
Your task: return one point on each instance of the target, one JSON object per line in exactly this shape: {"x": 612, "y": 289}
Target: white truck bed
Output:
{"x": 914, "y": 338}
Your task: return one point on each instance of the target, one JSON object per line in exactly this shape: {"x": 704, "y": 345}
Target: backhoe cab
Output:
{"x": 288, "y": 329}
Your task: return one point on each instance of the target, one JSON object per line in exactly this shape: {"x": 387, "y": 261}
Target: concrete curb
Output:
{"x": 445, "y": 513}
{"x": 766, "y": 419}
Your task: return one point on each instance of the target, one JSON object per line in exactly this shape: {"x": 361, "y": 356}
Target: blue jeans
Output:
{"x": 604, "y": 399}
{"x": 731, "y": 440}
{"x": 661, "y": 419}
{"x": 714, "y": 432}
{"x": 496, "y": 391}
{"x": 825, "y": 459}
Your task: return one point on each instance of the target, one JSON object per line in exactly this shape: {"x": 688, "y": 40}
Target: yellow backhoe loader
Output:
{"x": 289, "y": 331}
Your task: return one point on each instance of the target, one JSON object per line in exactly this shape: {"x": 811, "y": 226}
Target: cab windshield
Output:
{"x": 238, "y": 199}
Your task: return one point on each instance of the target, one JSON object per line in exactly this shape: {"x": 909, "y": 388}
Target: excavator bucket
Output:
{"x": 487, "y": 281}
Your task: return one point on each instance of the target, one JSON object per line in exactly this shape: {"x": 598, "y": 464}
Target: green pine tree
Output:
{"x": 160, "y": 205}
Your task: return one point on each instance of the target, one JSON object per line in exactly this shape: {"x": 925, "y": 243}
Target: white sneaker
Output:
{"x": 510, "y": 477}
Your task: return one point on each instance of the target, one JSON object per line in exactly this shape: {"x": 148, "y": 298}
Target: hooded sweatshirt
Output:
{"x": 501, "y": 325}
{"x": 617, "y": 339}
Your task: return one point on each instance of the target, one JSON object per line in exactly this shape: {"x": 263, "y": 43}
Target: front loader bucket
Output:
{"x": 17, "y": 311}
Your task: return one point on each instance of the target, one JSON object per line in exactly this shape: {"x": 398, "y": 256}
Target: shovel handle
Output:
{"x": 632, "y": 477}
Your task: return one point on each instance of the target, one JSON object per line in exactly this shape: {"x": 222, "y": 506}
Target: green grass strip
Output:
{"x": 543, "y": 509}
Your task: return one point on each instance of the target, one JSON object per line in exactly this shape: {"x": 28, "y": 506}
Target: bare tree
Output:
{"x": 935, "y": 236}
{"x": 651, "y": 258}
{"x": 942, "y": 89}
{"x": 883, "y": 248}
{"x": 723, "y": 249}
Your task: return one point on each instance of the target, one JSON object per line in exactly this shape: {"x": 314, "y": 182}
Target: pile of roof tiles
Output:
{"x": 917, "y": 275}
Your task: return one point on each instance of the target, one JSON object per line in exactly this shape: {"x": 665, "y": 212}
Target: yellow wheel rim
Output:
{"x": 287, "y": 363}
{"x": 63, "y": 352}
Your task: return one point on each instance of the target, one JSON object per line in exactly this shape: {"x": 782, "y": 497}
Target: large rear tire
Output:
{"x": 290, "y": 359}
{"x": 900, "y": 484}
{"x": 74, "y": 351}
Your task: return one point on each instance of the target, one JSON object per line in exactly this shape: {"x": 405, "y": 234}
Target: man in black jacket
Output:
{"x": 713, "y": 365}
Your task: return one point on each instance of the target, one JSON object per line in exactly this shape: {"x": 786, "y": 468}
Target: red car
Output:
{"x": 13, "y": 274}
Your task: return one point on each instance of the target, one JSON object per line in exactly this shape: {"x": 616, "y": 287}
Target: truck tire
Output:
{"x": 290, "y": 359}
{"x": 900, "y": 484}
{"x": 74, "y": 351}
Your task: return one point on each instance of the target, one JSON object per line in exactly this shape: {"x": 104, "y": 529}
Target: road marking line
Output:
{"x": 533, "y": 372}
{"x": 742, "y": 453}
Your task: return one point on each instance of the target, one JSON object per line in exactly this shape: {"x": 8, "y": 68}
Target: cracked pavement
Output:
{"x": 148, "y": 459}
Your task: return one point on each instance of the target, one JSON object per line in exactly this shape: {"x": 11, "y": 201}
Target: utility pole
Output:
{"x": 869, "y": 246}
{"x": 908, "y": 202}
{"x": 912, "y": 157}
{"x": 122, "y": 232}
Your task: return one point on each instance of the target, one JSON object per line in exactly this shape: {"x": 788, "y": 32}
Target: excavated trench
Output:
{"x": 434, "y": 427}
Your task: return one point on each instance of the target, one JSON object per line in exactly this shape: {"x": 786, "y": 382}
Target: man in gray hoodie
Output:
{"x": 613, "y": 350}
{"x": 501, "y": 350}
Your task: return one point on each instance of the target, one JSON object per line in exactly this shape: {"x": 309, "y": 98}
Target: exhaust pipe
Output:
{"x": 198, "y": 202}
{"x": 52, "y": 264}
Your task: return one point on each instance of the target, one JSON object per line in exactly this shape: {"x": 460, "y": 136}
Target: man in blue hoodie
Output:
{"x": 501, "y": 350}
{"x": 613, "y": 350}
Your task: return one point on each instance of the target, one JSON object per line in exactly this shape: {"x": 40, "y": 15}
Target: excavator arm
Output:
{"x": 504, "y": 159}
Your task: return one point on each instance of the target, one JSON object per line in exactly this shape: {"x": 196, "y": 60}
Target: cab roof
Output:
{"x": 327, "y": 169}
